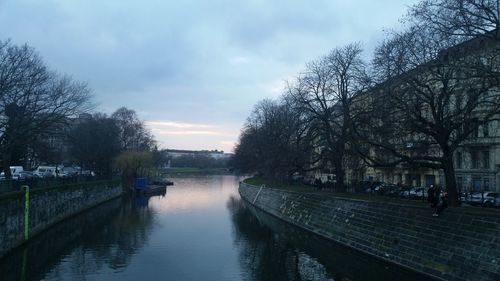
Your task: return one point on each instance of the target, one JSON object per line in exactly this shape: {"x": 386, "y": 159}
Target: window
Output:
{"x": 476, "y": 183}
{"x": 474, "y": 157}
{"x": 486, "y": 130}
{"x": 486, "y": 159}
{"x": 458, "y": 160}
{"x": 460, "y": 183}
{"x": 486, "y": 184}
{"x": 475, "y": 133}
{"x": 474, "y": 127}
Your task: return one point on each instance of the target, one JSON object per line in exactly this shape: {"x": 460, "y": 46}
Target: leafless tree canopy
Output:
{"x": 276, "y": 141}
{"x": 431, "y": 85}
{"x": 440, "y": 88}
{"x": 34, "y": 101}
{"x": 462, "y": 18}
{"x": 133, "y": 133}
{"x": 315, "y": 111}
{"x": 326, "y": 93}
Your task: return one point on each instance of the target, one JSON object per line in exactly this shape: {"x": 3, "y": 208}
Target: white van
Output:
{"x": 45, "y": 171}
{"x": 15, "y": 171}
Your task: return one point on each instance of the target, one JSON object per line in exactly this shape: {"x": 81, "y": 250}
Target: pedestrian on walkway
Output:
{"x": 439, "y": 202}
{"x": 431, "y": 196}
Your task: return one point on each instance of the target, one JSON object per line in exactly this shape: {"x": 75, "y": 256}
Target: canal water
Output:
{"x": 199, "y": 229}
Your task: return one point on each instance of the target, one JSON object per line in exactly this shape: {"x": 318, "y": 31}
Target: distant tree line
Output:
{"x": 45, "y": 117}
{"x": 96, "y": 141}
{"x": 200, "y": 161}
{"x": 428, "y": 87}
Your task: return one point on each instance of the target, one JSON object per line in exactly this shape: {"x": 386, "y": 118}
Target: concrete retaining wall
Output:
{"x": 458, "y": 245}
{"x": 59, "y": 240}
{"x": 47, "y": 207}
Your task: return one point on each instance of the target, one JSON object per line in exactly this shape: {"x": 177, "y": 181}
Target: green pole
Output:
{"x": 26, "y": 211}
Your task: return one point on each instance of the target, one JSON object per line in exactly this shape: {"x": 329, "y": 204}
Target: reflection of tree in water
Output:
{"x": 264, "y": 255}
{"x": 115, "y": 242}
{"x": 280, "y": 251}
{"x": 106, "y": 236}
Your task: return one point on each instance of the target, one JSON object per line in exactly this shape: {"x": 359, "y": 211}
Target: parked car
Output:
{"x": 419, "y": 192}
{"x": 463, "y": 197}
{"x": 497, "y": 201}
{"x": 363, "y": 185}
{"x": 45, "y": 171}
{"x": 390, "y": 190}
{"x": 67, "y": 172}
{"x": 414, "y": 192}
{"x": 374, "y": 187}
{"x": 405, "y": 191}
{"x": 24, "y": 175}
{"x": 297, "y": 177}
{"x": 87, "y": 173}
{"x": 486, "y": 198}
{"x": 64, "y": 174}
{"x": 14, "y": 171}
{"x": 308, "y": 180}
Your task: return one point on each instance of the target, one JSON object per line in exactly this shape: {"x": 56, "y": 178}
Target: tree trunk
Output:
{"x": 128, "y": 181}
{"x": 339, "y": 176}
{"x": 451, "y": 183}
{"x": 6, "y": 158}
{"x": 338, "y": 161}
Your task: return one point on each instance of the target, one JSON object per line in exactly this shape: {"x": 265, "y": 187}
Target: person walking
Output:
{"x": 441, "y": 202}
{"x": 431, "y": 195}
{"x": 433, "y": 198}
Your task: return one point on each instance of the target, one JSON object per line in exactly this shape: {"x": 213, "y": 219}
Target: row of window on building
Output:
{"x": 479, "y": 159}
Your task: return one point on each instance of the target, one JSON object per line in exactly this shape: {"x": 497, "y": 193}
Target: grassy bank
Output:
{"x": 281, "y": 185}
{"x": 299, "y": 187}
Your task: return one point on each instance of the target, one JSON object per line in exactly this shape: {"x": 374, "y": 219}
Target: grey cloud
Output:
{"x": 189, "y": 61}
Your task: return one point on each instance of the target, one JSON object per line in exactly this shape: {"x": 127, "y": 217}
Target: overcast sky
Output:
{"x": 191, "y": 69}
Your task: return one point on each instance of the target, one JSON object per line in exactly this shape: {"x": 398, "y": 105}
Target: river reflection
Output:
{"x": 105, "y": 237}
{"x": 199, "y": 230}
{"x": 271, "y": 249}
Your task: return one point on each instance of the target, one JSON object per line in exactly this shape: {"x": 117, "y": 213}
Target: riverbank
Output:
{"x": 421, "y": 202}
{"x": 24, "y": 215}
{"x": 341, "y": 262}
{"x": 459, "y": 245}
{"x": 26, "y": 262}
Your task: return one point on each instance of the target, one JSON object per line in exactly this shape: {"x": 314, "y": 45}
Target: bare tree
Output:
{"x": 94, "y": 143}
{"x": 33, "y": 100}
{"x": 325, "y": 92}
{"x": 133, "y": 133}
{"x": 437, "y": 95}
{"x": 275, "y": 141}
{"x": 462, "y": 18}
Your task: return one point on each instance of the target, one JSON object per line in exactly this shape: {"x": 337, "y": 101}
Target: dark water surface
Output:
{"x": 199, "y": 230}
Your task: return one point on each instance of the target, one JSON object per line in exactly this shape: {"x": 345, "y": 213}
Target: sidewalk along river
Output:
{"x": 199, "y": 230}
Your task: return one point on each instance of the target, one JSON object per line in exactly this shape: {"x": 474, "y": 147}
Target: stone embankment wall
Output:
{"x": 458, "y": 245}
{"x": 48, "y": 207}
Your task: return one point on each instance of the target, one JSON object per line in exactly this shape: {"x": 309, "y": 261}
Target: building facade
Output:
{"x": 477, "y": 159}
